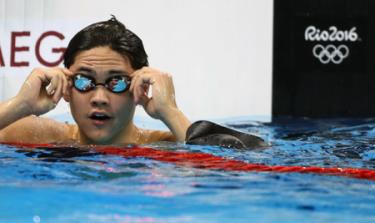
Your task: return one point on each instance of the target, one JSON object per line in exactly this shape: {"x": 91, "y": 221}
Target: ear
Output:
{"x": 66, "y": 96}
{"x": 68, "y": 91}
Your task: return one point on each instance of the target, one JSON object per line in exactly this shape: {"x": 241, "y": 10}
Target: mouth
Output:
{"x": 99, "y": 118}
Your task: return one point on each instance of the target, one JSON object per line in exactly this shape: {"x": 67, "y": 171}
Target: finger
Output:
{"x": 142, "y": 87}
{"x": 144, "y": 101}
{"x": 149, "y": 69}
{"x": 135, "y": 76}
{"x": 58, "y": 93}
{"x": 132, "y": 84}
{"x": 67, "y": 72}
{"x": 142, "y": 90}
{"x": 149, "y": 91}
{"x": 141, "y": 73}
{"x": 59, "y": 87}
{"x": 65, "y": 84}
{"x": 146, "y": 89}
{"x": 137, "y": 85}
{"x": 42, "y": 74}
{"x": 52, "y": 86}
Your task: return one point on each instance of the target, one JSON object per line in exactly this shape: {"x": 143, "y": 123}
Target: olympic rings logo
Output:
{"x": 330, "y": 53}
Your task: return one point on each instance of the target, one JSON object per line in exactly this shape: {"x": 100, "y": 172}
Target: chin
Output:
{"x": 99, "y": 138}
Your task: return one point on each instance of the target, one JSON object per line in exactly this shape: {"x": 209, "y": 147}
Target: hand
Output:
{"x": 43, "y": 89}
{"x": 162, "y": 102}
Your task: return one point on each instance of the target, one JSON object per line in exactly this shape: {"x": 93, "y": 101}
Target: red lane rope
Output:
{"x": 209, "y": 161}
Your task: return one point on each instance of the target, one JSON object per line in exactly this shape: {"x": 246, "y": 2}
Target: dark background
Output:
{"x": 302, "y": 85}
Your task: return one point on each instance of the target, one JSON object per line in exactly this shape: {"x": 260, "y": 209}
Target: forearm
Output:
{"x": 11, "y": 111}
{"x": 178, "y": 123}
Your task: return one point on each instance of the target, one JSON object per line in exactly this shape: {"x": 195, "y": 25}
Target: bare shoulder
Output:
{"x": 33, "y": 129}
{"x": 149, "y": 136}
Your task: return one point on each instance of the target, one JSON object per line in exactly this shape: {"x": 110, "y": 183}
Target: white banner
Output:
{"x": 219, "y": 52}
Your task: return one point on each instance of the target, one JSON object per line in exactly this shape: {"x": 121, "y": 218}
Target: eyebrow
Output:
{"x": 111, "y": 72}
{"x": 118, "y": 72}
{"x": 85, "y": 69}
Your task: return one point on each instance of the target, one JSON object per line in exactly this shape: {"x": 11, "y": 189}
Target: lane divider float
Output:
{"x": 208, "y": 161}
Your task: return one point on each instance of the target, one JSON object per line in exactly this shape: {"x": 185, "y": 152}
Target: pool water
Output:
{"x": 46, "y": 185}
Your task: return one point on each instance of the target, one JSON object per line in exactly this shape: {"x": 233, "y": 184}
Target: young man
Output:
{"x": 105, "y": 78}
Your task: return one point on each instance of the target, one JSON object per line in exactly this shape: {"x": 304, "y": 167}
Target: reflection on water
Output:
{"x": 82, "y": 185}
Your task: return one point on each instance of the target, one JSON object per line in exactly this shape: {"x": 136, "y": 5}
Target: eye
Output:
{"x": 118, "y": 83}
{"x": 82, "y": 83}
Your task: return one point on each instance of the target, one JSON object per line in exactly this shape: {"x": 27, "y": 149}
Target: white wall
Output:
{"x": 218, "y": 51}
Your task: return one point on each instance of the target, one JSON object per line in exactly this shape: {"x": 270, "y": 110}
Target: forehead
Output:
{"x": 101, "y": 60}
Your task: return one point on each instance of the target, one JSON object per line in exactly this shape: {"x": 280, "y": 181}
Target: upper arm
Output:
{"x": 33, "y": 129}
{"x": 168, "y": 136}
{"x": 157, "y": 136}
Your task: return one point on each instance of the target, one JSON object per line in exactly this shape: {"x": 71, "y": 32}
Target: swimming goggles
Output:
{"x": 115, "y": 84}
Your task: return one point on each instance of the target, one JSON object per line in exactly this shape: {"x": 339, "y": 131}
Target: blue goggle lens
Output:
{"x": 116, "y": 84}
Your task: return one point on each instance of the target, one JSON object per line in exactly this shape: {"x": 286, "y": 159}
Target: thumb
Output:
{"x": 144, "y": 101}
{"x": 148, "y": 106}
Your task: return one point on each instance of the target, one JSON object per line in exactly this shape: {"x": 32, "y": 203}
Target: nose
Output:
{"x": 99, "y": 97}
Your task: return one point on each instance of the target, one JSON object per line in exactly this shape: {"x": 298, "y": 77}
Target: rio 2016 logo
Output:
{"x": 331, "y": 53}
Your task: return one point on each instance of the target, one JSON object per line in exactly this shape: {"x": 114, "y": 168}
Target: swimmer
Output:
{"x": 106, "y": 76}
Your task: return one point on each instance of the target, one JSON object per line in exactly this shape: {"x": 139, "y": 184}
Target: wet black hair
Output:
{"x": 111, "y": 33}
